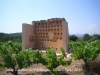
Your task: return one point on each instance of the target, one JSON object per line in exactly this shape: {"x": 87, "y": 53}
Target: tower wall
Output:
{"x": 65, "y": 35}
{"x": 27, "y": 36}
{"x": 46, "y": 33}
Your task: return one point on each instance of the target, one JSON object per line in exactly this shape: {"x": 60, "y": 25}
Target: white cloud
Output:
{"x": 92, "y": 26}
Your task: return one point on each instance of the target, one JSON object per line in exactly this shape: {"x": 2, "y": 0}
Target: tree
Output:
{"x": 95, "y": 37}
{"x": 73, "y": 37}
{"x": 86, "y": 37}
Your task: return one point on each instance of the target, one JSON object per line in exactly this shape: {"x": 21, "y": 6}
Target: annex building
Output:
{"x": 46, "y": 33}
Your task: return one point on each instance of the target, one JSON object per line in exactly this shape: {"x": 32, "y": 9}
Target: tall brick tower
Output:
{"x": 41, "y": 34}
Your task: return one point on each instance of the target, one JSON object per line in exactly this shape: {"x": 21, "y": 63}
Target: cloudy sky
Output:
{"x": 83, "y": 16}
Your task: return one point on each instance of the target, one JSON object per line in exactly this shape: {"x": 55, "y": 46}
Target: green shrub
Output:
{"x": 88, "y": 51}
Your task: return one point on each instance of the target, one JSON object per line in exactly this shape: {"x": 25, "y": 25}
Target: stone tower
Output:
{"x": 41, "y": 34}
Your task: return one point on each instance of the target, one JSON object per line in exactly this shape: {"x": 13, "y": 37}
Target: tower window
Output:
{"x": 50, "y": 22}
{"x": 45, "y": 23}
{"x": 50, "y": 40}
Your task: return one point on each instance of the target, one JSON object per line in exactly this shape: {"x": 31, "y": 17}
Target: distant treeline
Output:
{"x": 85, "y": 37}
{"x": 12, "y": 37}
{"x": 18, "y": 37}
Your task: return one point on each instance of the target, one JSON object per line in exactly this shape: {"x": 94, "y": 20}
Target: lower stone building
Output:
{"x": 46, "y": 33}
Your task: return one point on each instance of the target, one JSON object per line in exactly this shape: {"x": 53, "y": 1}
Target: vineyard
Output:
{"x": 12, "y": 57}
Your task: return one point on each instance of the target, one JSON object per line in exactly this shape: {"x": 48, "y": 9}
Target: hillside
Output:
{"x": 12, "y": 37}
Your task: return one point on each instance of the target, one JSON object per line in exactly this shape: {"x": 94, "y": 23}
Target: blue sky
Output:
{"x": 83, "y": 16}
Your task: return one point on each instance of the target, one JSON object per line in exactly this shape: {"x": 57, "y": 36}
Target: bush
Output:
{"x": 88, "y": 51}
